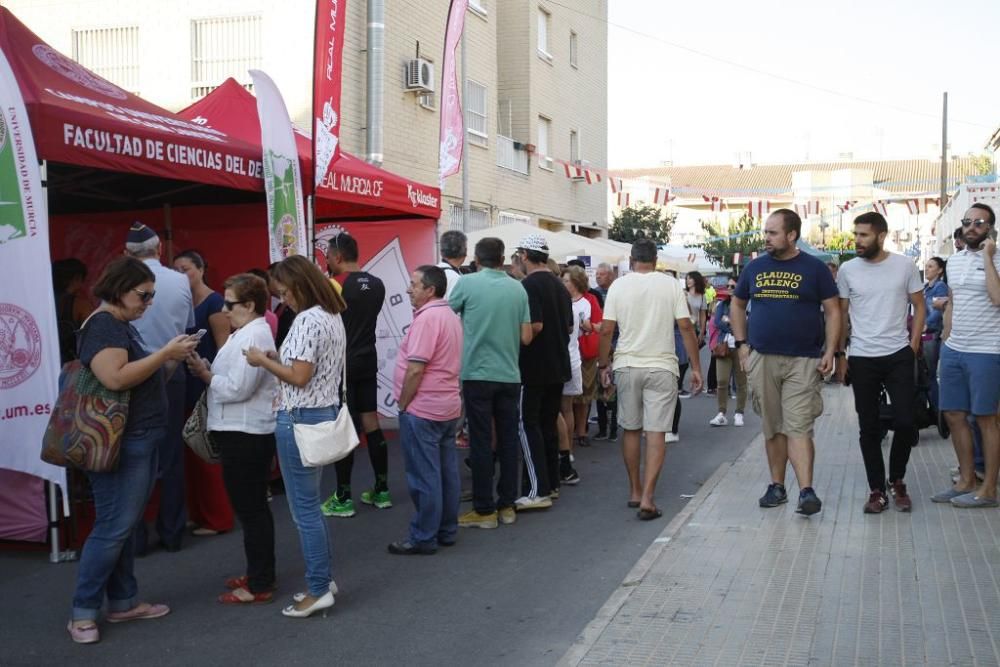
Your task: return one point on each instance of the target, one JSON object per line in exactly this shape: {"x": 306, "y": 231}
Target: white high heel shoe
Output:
{"x": 321, "y": 604}
{"x": 299, "y": 597}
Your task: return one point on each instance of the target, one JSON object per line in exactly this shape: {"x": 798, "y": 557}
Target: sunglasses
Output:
{"x": 978, "y": 224}
{"x": 145, "y": 296}
{"x": 229, "y": 305}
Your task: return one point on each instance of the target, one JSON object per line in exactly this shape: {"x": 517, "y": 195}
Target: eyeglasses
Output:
{"x": 731, "y": 286}
{"x": 978, "y": 224}
{"x": 145, "y": 296}
{"x": 228, "y": 305}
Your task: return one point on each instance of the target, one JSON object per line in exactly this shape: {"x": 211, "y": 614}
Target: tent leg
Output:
{"x": 56, "y": 556}
{"x": 311, "y": 226}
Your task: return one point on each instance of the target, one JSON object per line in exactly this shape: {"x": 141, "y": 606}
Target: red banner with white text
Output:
{"x": 327, "y": 70}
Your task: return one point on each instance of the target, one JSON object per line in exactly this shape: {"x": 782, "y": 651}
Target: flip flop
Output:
{"x": 140, "y": 611}
{"x": 633, "y": 504}
{"x": 255, "y": 598}
{"x": 649, "y": 515}
{"x": 84, "y": 634}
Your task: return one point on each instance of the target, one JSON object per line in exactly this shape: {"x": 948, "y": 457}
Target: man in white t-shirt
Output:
{"x": 877, "y": 289}
{"x": 644, "y": 304}
{"x": 969, "y": 371}
{"x": 454, "y": 247}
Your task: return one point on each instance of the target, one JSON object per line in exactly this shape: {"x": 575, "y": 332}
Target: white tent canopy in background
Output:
{"x": 562, "y": 245}
{"x": 701, "y": 261}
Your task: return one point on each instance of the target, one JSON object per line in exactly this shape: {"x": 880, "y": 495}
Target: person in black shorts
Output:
{"x": 364, "y": 294}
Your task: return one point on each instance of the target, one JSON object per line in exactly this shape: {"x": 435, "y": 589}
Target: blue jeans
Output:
{"x": 108, "y": 556}
{"x": 303, "y": 495}
{"x": 432, "y": 477}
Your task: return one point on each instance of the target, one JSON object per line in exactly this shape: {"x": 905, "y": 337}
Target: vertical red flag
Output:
{"x": 452, "y": 137}
{"x": 327, "y": 70}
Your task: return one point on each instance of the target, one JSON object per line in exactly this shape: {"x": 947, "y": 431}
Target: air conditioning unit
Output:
{"x": 420, "y": 75}
{"x": 579, "y": 167}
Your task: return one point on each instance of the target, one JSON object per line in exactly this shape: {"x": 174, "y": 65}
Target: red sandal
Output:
{"x": 255, "y": 598}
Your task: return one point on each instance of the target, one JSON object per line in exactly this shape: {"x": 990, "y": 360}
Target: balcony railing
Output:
{"x": 509, "y": 157}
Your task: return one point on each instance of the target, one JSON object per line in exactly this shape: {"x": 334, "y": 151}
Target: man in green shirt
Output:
{"x": 495, "y": 322}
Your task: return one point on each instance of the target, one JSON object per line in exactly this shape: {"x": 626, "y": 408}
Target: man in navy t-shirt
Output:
{"x": 789, "y": 350}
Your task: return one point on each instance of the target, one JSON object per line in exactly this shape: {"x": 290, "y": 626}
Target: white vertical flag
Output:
{"x": 29, "y": 339}
{"x": 286, "y": 220}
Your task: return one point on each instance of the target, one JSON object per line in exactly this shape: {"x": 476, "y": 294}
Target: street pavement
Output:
{"x": 518, "y": 595}
{"x": 729, "y": 583}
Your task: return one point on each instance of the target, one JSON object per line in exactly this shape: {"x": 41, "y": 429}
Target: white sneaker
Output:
{"x": 738, "y": 419}
{"x": 537, "y": 503}
{"x": 672, "y": 437}
{"x": 719, "y": 420}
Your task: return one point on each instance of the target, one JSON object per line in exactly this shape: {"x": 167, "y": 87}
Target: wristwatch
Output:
{"x": 740, "y": 343}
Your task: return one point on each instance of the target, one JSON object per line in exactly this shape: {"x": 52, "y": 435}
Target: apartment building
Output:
{"x": 535, "y": 97}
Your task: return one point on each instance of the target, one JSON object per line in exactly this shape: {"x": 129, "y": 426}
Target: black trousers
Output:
{"x": 540, "y": 406}
{"x": 604, "y": 410}
{"x": 896, "y": 373}
{"x": 246, "y": 468}
{"x": 677, "y": 404}
{"x": 489, "y": 404}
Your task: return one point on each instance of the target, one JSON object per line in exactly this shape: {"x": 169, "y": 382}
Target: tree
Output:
{"x": 744, "y": 236}
{"x": 841, "y": 241}
{"x": 983, "y": 164}
{"x": 644, "y": 221}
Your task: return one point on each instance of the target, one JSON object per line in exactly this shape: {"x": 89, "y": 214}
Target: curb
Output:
{"x": 592, "y": 632}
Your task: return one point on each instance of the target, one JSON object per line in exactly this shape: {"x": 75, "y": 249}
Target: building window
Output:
{"x": 475, "y": 113}
{"x": 573, "y": 53}
{"x": 479, "y": 218}
{"x": 112, "y": 53}
{"x": 574, "y": 146}
{"x": 544, "y": 19}
{"x": 542, "y": 145}
{"x": 224, "y": 47}
{"x": 478, "y": 6}
{"x": 506, "y": 217}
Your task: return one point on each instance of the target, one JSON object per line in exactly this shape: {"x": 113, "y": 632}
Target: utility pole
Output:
{"x": 944, "y": 153}
{"x": 465, "y": 153}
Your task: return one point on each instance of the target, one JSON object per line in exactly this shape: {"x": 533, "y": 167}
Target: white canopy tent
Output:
{"x": 562, "y": 245}
{"x": 701, "y": 263}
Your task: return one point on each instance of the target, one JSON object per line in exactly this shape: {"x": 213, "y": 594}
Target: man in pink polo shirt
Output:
{"x": 426, "y": 388}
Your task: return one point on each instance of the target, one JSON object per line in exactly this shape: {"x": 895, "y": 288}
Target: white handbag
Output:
{"x": 327, "y": 442}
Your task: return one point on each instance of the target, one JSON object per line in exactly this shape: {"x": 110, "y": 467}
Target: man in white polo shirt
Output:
{"x": 970, "y": 357}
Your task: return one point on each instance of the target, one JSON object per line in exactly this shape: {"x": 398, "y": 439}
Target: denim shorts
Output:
{"x": 969, "y": 382}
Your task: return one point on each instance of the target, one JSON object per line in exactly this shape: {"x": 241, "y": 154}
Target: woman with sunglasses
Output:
{"x": 208, "y": 505}
{"x": 309, "y": 368}
{"x": 241, "y": 424}
{"x": 115, "y": 353}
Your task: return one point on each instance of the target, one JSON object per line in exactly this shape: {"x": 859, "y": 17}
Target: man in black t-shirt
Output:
{"x": 364, "y": 295}
{"x": 545, "y": 368}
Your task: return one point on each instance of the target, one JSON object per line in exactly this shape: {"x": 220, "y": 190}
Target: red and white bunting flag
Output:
{"x": 846, "y": 206}
{"x": 624, "y": 199}
{"x": 802, "y": 210}
{"x": 882, "y": 207}
{"x": 587, "y": 175}
{"x": 616, "y": 184}
{"x": 597, "y": 175}
{"x": 913, "y": 206}
{"x": 716, "y": 203}
{"x": 661, "y": 196}
{"x": 566, "y": 169}
{"x": 692, "y": 257}
{"x": 814, "y": 207}
{"x": 927, "y": 201}
{"x": 758, "y": 208}
{"x": 736, "y": 258}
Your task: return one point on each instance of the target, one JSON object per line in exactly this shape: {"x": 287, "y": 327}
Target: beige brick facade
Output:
{"x": 502, "y": 43}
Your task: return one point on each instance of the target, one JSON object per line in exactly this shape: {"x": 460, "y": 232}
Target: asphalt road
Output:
{"x": 517, "y": 595}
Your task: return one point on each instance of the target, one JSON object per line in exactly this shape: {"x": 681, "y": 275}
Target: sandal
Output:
{"x": 233, "y": 597}
{"x": 84, "y": 634}
{"x": 143, "y": 610}
{"x": 634, "y": 504}
{"x": 649, "y": 515}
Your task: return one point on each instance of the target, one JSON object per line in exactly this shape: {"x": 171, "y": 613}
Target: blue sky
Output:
{"x": 666, "y": 102}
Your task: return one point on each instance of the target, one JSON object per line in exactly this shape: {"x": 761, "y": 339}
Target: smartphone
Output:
{"x": 198, "y": 334}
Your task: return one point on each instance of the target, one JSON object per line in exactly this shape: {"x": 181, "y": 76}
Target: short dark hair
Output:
{"x": 433, "y": 276}
{"x": 489, "y": 252}
{"x": 577, "y": 262}
{"x": 121, "y": 276}
{"x": 790, "y": 221}
{"x": 985, "y": 207}
{"x": 644, "y": 250}
{"x": 536, "y": 256}
{"x": 875, "y": 220}
{"x": 454, "y": 244}
{"x": 249, "y": 287}
{"x": 65, "y": 270}
{"x": 958, "y": 233}
{"x": 346, "y": 245}
{"x": 194, "y": 257}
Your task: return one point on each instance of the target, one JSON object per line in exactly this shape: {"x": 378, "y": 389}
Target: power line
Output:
{"x": 762, "y": 72}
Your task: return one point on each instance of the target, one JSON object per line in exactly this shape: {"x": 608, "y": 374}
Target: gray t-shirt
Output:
{"x": 879, "y": 293}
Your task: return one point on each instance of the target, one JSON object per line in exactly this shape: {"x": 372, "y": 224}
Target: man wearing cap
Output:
{"x": 171, "y": 314}
{"x": 545, "y": 368}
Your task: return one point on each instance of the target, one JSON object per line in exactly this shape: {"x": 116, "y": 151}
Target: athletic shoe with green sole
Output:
{"x": 338, "y": 508}
{"x": 379, "y": 499}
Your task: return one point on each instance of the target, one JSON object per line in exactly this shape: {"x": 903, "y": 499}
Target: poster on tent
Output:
{"x": 29, "y": 346}
{"x": 286, "y": 218}
{"x": 327, "y": 74}
{"x": 390, "y": 252}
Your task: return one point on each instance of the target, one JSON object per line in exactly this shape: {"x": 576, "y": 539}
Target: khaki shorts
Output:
{"x": 646, "y": 399}
{"x": 787, "y": 393}
{"x": 589, "y": 371}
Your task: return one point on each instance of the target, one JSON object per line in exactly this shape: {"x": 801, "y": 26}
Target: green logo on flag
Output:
{"x": 279, "y": 175}
{"x": 12, "y": 223}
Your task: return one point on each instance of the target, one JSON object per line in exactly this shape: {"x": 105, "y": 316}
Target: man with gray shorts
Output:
{"x": 788, "y": 351}
{"x": 644, "y": 304}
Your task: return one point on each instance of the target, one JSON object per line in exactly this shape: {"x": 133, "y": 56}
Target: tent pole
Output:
{"x": 311, "y": 226}
{"x": 168, "y": 221}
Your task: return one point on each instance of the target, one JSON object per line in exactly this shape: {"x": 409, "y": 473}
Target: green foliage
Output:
{"x": 841, "y": 241}
{"x": 636, "y": 222}
{"x": 748, "y": 237}
{"x": 983, "y": 164}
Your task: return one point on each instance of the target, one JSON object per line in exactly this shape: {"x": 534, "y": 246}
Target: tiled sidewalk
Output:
{"x": 729, "y": 583}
